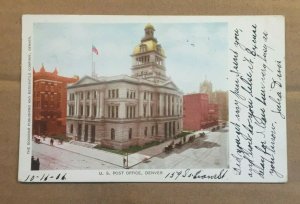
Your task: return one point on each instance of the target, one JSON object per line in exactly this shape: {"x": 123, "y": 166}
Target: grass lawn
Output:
{"x": 61, "y": 137}
{"x": 182, "y": 134}
{"x": 136, "y": 148}
{"x": 130, "y": 150}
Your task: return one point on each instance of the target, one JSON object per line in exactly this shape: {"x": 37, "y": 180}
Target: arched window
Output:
{"x": 130, "y": 133}
{"x": 112, "y": 134}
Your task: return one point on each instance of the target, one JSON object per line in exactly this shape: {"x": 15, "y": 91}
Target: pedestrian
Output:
{"x": 32, "y": 163}
{"x": 37, "y": 164}
{"x": 124, "y": 161}
{"x": 51, "y": 142}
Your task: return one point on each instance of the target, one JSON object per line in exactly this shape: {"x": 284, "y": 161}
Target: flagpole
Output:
{"x": 92, "y": 62}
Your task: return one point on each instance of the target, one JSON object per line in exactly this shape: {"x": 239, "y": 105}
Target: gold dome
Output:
{"x": 149, "y": 25}
{"x": 151, "y": 45}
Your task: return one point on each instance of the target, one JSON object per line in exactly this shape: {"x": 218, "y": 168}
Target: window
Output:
{"x": 112, "y": 134}
{"x": 95, "y": 94}
{"x": 130, "y": 133}
{"x": 94, "y": 110}
{"x": 144, "y": 110}
{"x": 113, "y": 93}
{"x": 71, "y": 128}
{"x": 109, "y": 93}
{"x": 108, "y": 111}
{"x": 79, "y": 129}
{"x": 88, "y": 95}
{"x": 81, "y": 110}
{"x": 145, "y": 95}
{"x": 152, "y": 131}
{"x": 117, "y": 93}
{"x": 146, "y": 131}
{"x": 87, "y": 110}
{"x": 117, "y": 111}
{"x": 112, "y": 111}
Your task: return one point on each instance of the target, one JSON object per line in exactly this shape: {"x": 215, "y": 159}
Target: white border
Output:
{"x": 273, "y": 24}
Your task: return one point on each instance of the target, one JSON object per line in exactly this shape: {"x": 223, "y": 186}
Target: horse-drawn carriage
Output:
{"x": 36, "y": 139}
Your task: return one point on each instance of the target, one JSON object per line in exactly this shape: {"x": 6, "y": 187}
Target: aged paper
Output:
{"x": 153, "y": 99}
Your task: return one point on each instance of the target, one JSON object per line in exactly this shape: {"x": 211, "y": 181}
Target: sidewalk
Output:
{"x": 112, "y": 158}
{"x": 108, "y": 157}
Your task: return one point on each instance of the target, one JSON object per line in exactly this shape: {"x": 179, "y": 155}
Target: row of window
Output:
{"x": 169, "y": 128}
{"x": 81, "y": 110}
{"x": 113, "y": 111}
{"x": 130, "y": 111}
{"x": 89, "y": 95}
{"x": 145, "y": 110}
{"x": 154, "y": 131}
{"x": 52, "y": 87}
{"x": 131, "y": 94}
{"x": 113, "y": 93}
{"x": 148, "y": 95}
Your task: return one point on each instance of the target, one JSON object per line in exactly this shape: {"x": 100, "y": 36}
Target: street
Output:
{"x": 210, "y": 151}
{"x": 55, "y": 158}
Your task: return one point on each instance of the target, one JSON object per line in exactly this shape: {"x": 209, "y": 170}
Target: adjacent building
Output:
{"x": 216, "y": 97}
{"x": 50, "y": 102}
{"x": 198, "y": 113}
{"x": 122, "y": 111}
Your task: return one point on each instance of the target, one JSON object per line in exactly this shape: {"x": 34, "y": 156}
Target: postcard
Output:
{"x": 153, "y": 99}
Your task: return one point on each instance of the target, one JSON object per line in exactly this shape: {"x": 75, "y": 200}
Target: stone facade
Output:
{"x": 123, "y": 111}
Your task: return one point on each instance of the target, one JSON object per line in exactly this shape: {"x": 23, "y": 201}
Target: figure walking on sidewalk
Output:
{"x": 124, "y": 162}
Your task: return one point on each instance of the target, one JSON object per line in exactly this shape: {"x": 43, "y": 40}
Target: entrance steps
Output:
{"x": 83, "y": 144}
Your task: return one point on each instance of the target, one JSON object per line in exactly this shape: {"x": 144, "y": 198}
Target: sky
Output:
{"x": 194, "y": 51}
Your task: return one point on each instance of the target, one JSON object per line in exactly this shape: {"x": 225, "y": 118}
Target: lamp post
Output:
{"x": 127, "y": 159}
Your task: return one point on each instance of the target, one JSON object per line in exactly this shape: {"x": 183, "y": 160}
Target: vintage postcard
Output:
{"x": 153, "y": 99}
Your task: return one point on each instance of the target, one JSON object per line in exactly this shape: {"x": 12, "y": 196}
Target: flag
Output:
{"x": 94, "y": 50}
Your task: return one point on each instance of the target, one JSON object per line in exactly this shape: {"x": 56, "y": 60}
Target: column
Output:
{"x": 68, "y": 109}
{"x": 161, "y": 105}
{"x": 177, "y": 107}
{"x": 82, "y": 131}
{"x": 167, "y": 105}
{"x": 122, "y": 110}
{"x": 148, "y": 105}
{"x": 98, "y": 103}
{"x": 101, "y": 109}
{"x": 90, "y": 133}
{"x": 91, "y": 105}
{"x": 171, "y": 105}
{"x": 84, "y": 107}
{"x": 141, "y": 99}
{"x": 75, "y": 105}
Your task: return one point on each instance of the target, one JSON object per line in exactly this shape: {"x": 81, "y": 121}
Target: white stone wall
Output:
{"x": 163, "y": 99}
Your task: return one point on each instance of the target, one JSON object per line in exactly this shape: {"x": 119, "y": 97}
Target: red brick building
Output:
{"x": 198, "y": 113}
{"x": 50, "y": 102}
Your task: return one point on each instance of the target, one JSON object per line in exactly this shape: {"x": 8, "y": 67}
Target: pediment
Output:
{"x": 171, "y": 85}
{"x": 86, "y": 80}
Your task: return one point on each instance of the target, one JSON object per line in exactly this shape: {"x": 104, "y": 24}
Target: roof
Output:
{"x": 87, "y": 81}
{"x": 151, "y": 45}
